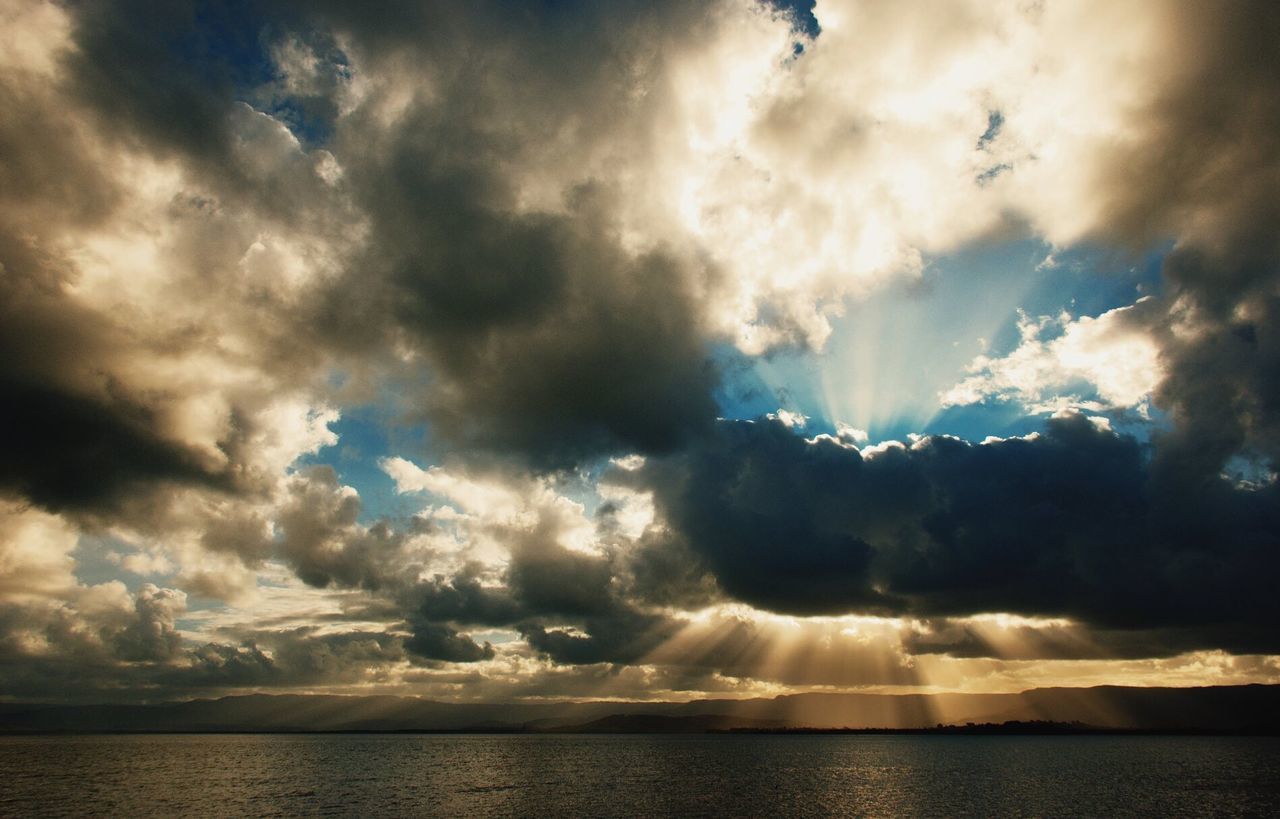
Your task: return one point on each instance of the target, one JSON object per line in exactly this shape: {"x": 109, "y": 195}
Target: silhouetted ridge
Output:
{"x": 1225, "y": 709}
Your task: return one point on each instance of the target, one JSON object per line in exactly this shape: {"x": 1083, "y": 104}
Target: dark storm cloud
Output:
{"x": 608, "y": 626}
{"x": 542, "y": 335}
{"x": 170, "y": 75}
{"x": 1207, "y": 145}
{"x": 1066, "y": 524}
{"x": 321, "y": 538}
{"x": 71, "y": 437}
{"x": 755, "y": 504}
{"x": 186, "y": 82}
{"x": 625, "y": 636}
{"x": 546, "y": 337}
{"x": 303, "y": 655}
{"x": 1223, "y": 390}
{"x": 1206, "y": 169}
{"x": 437, "y": 642}
{"x": 1073, "y": 641}
{"x": 69, "y": 451}
{"x": 463, "y": 599}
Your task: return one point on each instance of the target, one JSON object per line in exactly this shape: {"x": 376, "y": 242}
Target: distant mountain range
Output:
{"x": 1227, "y": 709}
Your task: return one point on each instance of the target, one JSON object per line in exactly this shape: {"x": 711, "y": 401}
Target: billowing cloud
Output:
{"x": 1106, "y": 362}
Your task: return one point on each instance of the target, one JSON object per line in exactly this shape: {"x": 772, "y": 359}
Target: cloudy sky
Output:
{"x": 566, "y": 348}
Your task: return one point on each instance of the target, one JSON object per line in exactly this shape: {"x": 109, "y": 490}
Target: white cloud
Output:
{"x": 490, "y": 498}
{"x": 486, "y": 509}
{"x": 32, "y": 34}
{"x": 628, "y": 463}
{"x": 790, "y": 419}
{"x": 1113, "y": 354}
{"x": 814, "y": 179}
{"x": 851, "y": 434}
{"x": 35, "y": 553}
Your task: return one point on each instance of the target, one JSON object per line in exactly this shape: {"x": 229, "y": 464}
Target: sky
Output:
{"x": 498, "y": 351}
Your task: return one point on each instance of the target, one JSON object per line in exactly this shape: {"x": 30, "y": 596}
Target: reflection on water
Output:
{"x": 638, "y": 775}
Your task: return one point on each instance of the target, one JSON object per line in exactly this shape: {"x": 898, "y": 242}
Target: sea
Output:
{"x": 637, "y": 775}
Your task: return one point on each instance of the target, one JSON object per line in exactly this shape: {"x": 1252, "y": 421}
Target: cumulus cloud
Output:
{"x": 136, "y": 354}
{"x": 152, "y": 636}
{"x": 592, "y": 618}
{"x": 1113, "y": 356}
{"x": 438, "y": 642}
{"x": 57, "y": 631}
{"x": 322, "y": 538}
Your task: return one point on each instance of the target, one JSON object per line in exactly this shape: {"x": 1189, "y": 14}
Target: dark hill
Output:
{"x": 1228, "y": 709}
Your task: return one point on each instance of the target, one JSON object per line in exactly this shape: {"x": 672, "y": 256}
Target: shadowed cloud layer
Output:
{"x": 1071, "y": 523}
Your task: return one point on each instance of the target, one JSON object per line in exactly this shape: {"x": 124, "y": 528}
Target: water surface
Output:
{"x": 713, "y": 775}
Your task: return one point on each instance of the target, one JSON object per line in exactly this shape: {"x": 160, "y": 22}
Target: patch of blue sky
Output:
{"x": 228, "y": 45}
{"x": 1088, "y": 281}
{"x": 311, "y": 122}
{"x": 100, "y": 558}
{"x": 995, "y": 121}
{"x": 311, "y": 117}
{"x": 367, "y": 434}
{"x": 892, "y": 353}
{"x": 226, "y": 42}
{"x": 802, "y": 15}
